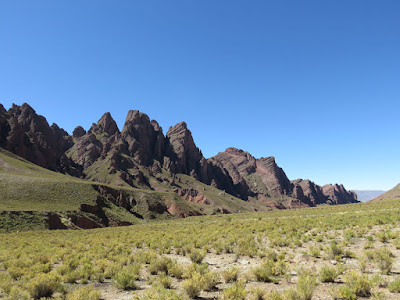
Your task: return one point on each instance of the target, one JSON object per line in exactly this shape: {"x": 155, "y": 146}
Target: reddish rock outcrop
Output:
{"x": 268, "y": 183}
{"x": 182, "y": 150}
{"x": 141, "y": 156}
{"x": 78, "y": 132}
{"x": 240, "y": 165}
{"x": 28, "y": 135}
{"x": 337, "y": 194}
{"x": 312, "y": 192}
{"x": 140, "y": 137}
{"x": 192, "y": 195}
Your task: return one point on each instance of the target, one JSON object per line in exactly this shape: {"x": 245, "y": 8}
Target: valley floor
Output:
{"x": 331, "y": 252}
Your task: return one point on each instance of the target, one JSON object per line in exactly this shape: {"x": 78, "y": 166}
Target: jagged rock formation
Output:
{"x": 28, "y": 135}
{"x": 267, "y": 182}
{"x": 337, "y": 194}
{"x": 187, "y": 157}
{"x": 141, "y": 156}
{"x": 261, "y": 177}
{"x": 312, "y": 192}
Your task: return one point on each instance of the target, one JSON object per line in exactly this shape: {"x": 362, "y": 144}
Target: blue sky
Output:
{"x": 314, "y": 83}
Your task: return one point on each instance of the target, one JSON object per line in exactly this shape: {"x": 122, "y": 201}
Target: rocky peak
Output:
{"x": 155, "y": 125}
{"x": 273, "y": 176}
{"x": 31, "y": 137}
{"x": 240, "y": 152}
{"x": 106, "y": 124}
{"x": 78, "y": 132}
{"x": 183, "y": 151}
{"x": 337, "y": 194}
{"x": 139, "y": 135}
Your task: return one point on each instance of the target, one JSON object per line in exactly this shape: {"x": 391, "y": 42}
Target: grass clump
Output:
{"x": 197, "y": 256}
{"x": 384, "y": 259}
{"x": 357, "y": 285}
{"x": 230, "y": 275}
{"x": 125, "y": 279}
{"x": 394, "y": 286}
{"x": 162, "y": 264}
{"x": 192, "y": 287}
{"x": 84, "y": 293}
{"x": 237, "y": 291}
{"x": 330, "y": 274}
{"x": 44, "y": 285}
{"x": 269, "y": 269}
{"x": 306, "y": 285}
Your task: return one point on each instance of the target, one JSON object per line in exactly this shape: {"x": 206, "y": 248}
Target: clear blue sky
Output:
{"x": 314, "y": 83}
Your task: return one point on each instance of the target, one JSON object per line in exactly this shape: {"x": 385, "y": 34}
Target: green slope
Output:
{"x": 30, "y": 192}
{"x": 394, "y": 193}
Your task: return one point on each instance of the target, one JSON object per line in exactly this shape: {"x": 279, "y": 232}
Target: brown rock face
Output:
{"x": 86, "y": 150}
{"x": 141, "y": 156}
{"x": 78, "y": 132}
{"x": 328, "y": 194}
{"x": 268, "y": 183}
{"x": 192, "y": 195}
{"x": 337, "y": 194}
{"x": 183, "y": 152}
{"x": 140, "y": 137}
{"x": 28, "y": 135}
{"x": 106, "y": 124}
{"x": 311, "y": 191}
{"x": 240, "y": 165}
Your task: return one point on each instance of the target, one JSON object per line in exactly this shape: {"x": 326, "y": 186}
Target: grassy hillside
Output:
{"x": 394, "y": 193}
{"x": 25, "y": 187}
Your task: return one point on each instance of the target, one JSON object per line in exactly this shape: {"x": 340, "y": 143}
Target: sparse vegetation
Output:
{"x": 222, "y": 256}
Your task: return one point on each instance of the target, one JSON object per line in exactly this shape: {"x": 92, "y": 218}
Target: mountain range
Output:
{"x": 367, "y": 195}
{"x": 141, "y": 157}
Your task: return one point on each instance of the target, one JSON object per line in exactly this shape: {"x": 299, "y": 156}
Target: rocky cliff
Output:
{"x": 266, "y": 182}
{"x": 140, "y": 155}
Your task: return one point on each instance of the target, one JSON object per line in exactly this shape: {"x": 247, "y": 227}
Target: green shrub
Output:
{"x": 394, "y": 286}
{"x": 84, "y": 293}
{"x": 125, "y": 278}
{"x": 176, "y": 271}
{"x": 328, "y": 274}
{"x": 384, "y": 259}
{"x": 44, "y": 285}
{"x": 379, "y": 280}
{"x": 274, "y": 295}
{"x": 335, "y": 251}
{"x": 257, "y": 294}
{"x": 197, "y": 256}
{"x": 346, "y": 293}
{"x": 235, "y": 292}
{"x": 269, "y": 269}
{"x": 17, "y": 293}
{"x": 231, "y": 274}
{"x": 209, "y": 281}
{"x": 315, "y": 251}
{"x": 162, "y": 264}
{"x": 306, "y": 285}
{"x": 358, "y": 284}
{"x": 165, "y": 281}
{"x": 192, "y": 287}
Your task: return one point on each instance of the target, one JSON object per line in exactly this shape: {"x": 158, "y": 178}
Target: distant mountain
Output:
{"x": 140, "y": 156}
{"x": 366, "y": 195}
